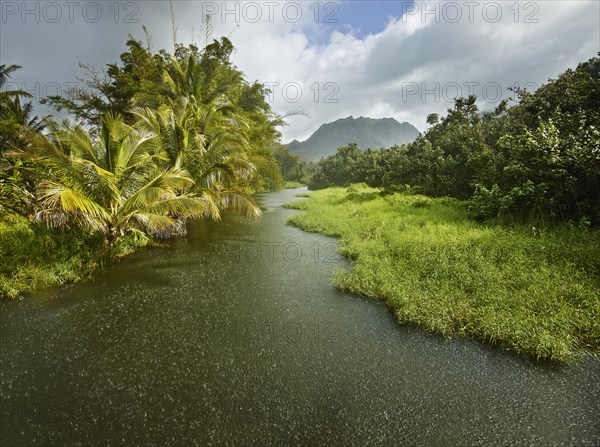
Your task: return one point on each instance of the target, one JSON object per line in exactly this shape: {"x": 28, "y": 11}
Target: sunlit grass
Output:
{"x": 33, "y": 257}
{"x": 534, "y": 291}
{"x": 293, "y": 185}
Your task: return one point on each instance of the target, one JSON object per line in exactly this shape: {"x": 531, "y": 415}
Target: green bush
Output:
{"x": 530, "y": 289}
{"x": 33, "y": 256}
{"x": 538, "y": 161}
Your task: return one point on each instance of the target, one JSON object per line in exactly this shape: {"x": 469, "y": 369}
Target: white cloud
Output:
{"x": 413, "y": 66}
{"x": 377, "y": 75}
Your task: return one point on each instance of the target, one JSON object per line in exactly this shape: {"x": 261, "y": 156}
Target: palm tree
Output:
{"x": 16, "y": 123}
{"x": 191, "y": 80}
{"x": 17, "y": 129}
{"x": 5, "y": 72}
{"x": 203, "y": 133}
{"x": 113, "y": 184}
{"x": 15, "y": 119}
{"x": 187, "y": 78}
{"x": 212, "y": 148}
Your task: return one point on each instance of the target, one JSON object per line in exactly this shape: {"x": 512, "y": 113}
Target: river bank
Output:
{"x": 235, "y": 335}
{"x": 33, "y": 257}
{"x": 530, "y": 290}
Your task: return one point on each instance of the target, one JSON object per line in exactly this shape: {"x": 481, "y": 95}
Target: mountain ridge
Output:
{"x": 373, "y": 133}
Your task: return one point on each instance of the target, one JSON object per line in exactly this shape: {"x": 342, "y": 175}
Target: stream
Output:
{"x": 235, "y": 336}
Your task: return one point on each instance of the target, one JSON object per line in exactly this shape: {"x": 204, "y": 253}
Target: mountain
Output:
{"x": 365, "y": 132}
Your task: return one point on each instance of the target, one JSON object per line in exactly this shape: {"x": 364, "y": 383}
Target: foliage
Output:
{"x": 33, "y": 256}
{"x": 160, "y": 139}
{"x": 209, "y": 138}
{"x": 528, "y": 289}
{"x": 291, "y": 167}
{"x": 206, "y": 77}
{"x": 337, "y": 169}
{"x": 17, "y": 128}
{"x": 544, "y": 175}
{"x": 112, "y": 184}
{"x": 536, "y": 161}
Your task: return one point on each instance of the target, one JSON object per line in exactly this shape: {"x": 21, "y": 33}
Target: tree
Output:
{"x": 112, "y": 90}
{"x": 337, "y": 169}
{"x": 546, "y": 153}
{"x": 17, "y": 129}
{"x": 204, "y": 77}
{"x": 112, "y": 184}
{"x": 289, "y": 164}
{"x": 433, "y": 119}
{"x": 209, "y": 138}
{"x": 5, "y": 72}
{"x": 17, "y": 124}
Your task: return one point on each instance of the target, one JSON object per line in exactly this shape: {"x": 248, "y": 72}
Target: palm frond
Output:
{"x": 57, "y": 196}
{"x": 240, "y": 201}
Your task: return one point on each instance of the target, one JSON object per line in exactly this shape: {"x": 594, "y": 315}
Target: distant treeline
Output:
{"x": 539, "y": 159}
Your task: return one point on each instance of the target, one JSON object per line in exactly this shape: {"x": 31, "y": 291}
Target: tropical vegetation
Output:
{"x": 485, "y": 225}
{"x": 160, "y": 139}
{"x": 537, "y": 161}
{"x": 531, "y": 290}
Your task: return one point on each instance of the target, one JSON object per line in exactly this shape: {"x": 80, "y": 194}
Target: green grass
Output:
{"x": 293, "y": 185}
{"x": 530, "y": 290}
{"x": 34, "y": 257}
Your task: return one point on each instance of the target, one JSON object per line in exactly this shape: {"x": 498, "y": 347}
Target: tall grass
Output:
{"x": 293, "y": 185}
{"x": 34, "y": 257}
{"x": 530, "y": 290}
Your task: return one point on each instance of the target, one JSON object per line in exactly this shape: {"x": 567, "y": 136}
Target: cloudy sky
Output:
{"x": 328, "y": 60}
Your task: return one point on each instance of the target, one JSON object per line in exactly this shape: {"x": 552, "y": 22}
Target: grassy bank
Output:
{"x": 293, "y": 185}
{"x": 530, "y": 290}
{"x": 34, "y": 257}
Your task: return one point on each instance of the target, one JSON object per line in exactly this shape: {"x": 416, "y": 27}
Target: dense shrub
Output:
{"x": 33, "y": 256}
{"x": 538, "y": 160}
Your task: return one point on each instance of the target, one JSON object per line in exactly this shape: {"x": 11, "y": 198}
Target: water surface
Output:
{"x": 236, "y": 336}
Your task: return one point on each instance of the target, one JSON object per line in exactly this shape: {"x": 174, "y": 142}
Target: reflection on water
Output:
{"x": 235, "y": 336}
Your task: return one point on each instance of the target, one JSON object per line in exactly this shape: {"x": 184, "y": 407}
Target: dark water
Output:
{"x": 236, "y": 336}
